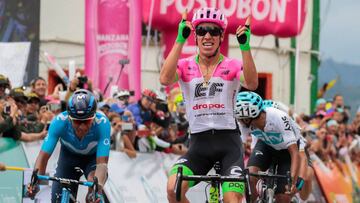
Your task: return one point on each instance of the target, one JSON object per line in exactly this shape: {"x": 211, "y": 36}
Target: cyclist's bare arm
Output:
{"x": 295, "y": 164}
{"x": 168, "y": 70}
{"x": 250, "y": 73}
{"x": 101, "y": 169}
{"x": 303, "y": 164}
{"x": 41, "y": 161}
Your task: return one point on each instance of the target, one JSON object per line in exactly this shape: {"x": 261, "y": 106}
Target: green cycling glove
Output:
{"x": 183, "y": 32}
{"x": 244, "y": 39}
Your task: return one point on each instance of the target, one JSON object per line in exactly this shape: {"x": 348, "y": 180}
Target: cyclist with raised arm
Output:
{"x": 278, "y": 142}
{"x": 209, "y": 82}
{"x": 84, "y": 136}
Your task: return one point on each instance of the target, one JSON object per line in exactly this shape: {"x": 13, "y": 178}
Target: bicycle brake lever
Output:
{"x": 34, "y": 180}
{"x": 288, "y": 178}
{"x": 247, "y": 178}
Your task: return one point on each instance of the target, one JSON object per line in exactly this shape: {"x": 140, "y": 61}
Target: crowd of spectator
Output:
{"x": 146, "y": 125}
{"x": 157, "y": 121}
{"x": 330, "y": 133}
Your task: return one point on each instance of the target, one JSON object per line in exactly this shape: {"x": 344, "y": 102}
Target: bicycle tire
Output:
{"x": 269, "y": 195}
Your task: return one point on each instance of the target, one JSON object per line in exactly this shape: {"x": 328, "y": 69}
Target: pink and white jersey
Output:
{"x": 210, "y": 106}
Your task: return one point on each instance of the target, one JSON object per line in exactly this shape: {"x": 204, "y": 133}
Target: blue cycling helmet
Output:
{"x": 248, "y": 105}
{"x": 81, "y": 105}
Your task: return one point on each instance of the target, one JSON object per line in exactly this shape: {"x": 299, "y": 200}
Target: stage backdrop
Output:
{"x": 111, "y": 26}
{"x": 113, "y": 30}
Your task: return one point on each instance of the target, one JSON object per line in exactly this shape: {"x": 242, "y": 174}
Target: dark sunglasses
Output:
{"x": 149, "y": 99}
{"x": 123, "y": 98}
{"x": 82, "y": 121}
{"x": 214, "y": 31}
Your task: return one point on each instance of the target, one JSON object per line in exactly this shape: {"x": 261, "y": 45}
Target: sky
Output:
{"x": 340, "y": 30}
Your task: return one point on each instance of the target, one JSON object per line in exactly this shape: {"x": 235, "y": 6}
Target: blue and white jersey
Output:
{"x": 97, "y": 140}
{"x": 280, "y": 130}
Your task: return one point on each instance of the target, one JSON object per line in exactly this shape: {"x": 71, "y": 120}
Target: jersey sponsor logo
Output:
{"x": 201, "y": 91}
{"x": 191, "y": 68}
{"x": 180, "y": 161}
{"x": 106, "y": 141}
{"x": 99, "y": 120}
{"x": 257, "y": 152}
{"x": 62, "y": 117}
{"x": 208, "y": 106}
{"x": 286, "y": 123}
{"x": 225, "y": 72}
{"x": 236, "y": 171}
{"x": 270, "y": 138}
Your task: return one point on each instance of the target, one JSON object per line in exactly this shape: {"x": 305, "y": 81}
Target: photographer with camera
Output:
{"x": 122, "y": 98}
{"x": 123, "y": 134}
{"x": 79, "y": 82}
{"x": 4, "y": 84}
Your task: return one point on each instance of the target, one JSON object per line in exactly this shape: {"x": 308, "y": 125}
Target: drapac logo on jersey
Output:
{"x": 208, "y": 106}
{"x": 210, "y": 91}
{"x": 269, "y": 138}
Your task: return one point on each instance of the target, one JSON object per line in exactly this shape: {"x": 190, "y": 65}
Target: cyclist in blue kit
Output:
{"x": 84, "y": 135}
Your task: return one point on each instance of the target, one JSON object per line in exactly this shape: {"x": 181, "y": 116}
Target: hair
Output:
{"x": 335, "y": 96}
{"x": 32, "y": 83}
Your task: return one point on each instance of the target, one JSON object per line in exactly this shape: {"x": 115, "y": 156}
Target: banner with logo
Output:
{"x": 277, "y": 17}
{"x": 13, "y": 60}
{"x": 345, "y": 189}
{"x": 111, "y": 26}
{"x": 20, "y": 22}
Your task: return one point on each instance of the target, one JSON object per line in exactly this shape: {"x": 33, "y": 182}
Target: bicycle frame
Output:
{"x": 268, "y": 194}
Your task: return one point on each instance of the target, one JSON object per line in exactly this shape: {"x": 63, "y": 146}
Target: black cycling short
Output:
{"x": 66, "y": 169}
{"x": 263, "y": 156}
{"x": 212, "y": 146}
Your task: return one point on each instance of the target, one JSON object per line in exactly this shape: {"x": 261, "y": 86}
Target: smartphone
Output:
{"x": 54, "y": 107}
{"x": 127, "y": 126}
{"x": 7, "y": 109}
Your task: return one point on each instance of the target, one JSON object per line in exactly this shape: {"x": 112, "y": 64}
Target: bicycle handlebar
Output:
{"x": 65, "y": 181}
{"x": 217, "y": 178}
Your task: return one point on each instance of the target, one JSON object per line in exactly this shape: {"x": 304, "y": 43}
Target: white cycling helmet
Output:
{"x": 248, "y": 105}
{"x": 121, "y": 93}
{"x": 161, "y": 96}
{"x": 209, "y": 15}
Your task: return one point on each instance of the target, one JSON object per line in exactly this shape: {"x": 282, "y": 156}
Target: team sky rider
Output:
{"x": 84, "y": 135}
{"x": 278, "y": 142}
{"x": 209, "y": 82}
{"x": 306, "y": 169}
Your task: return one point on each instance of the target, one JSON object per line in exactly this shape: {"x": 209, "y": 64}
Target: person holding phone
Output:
{"x": 209, "y": 82}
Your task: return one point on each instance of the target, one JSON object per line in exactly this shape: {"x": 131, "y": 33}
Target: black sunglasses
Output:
{"x": 214, "y": 31}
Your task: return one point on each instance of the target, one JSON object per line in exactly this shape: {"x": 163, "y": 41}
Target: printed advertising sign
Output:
{"x": 277, "y": 17}
{"x": 110, "y": 60}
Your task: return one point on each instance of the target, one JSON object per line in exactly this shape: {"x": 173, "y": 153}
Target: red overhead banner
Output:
{"x": 277, "y": 17}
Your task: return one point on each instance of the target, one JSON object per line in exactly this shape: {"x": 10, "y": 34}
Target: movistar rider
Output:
{"x": 209, "y": 82}
{"x": 84, "y": 136}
